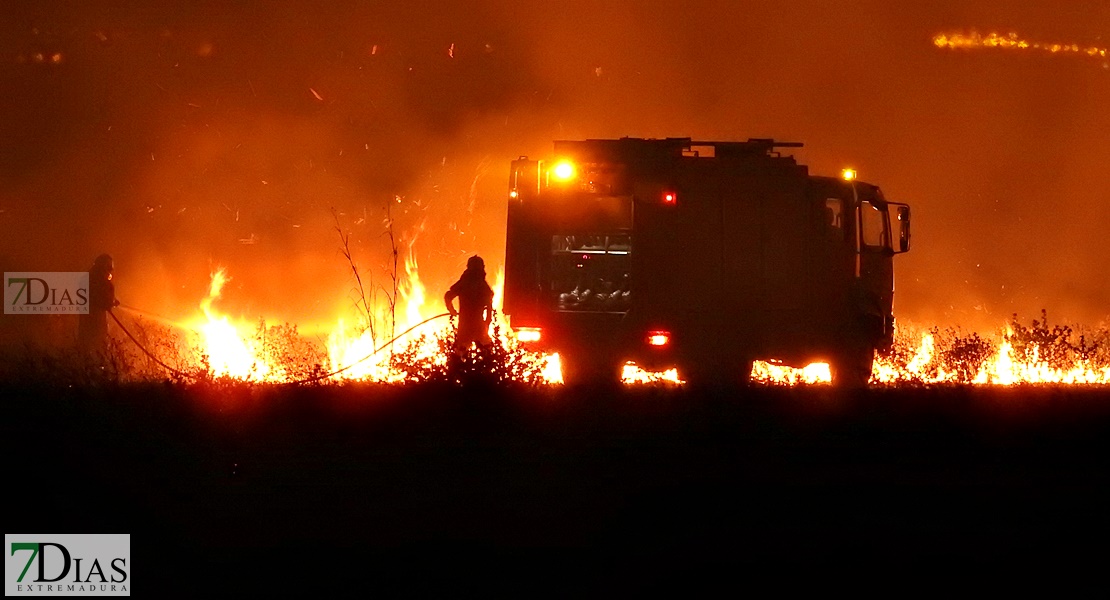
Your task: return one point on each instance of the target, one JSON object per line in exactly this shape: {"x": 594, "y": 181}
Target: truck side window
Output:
{"x": 591, "y": 273}
{"x": 832, "y": 218}
{"x": 875, "y": 228}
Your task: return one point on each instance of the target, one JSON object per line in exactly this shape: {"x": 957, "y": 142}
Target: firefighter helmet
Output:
{"x": 103, "y": 263}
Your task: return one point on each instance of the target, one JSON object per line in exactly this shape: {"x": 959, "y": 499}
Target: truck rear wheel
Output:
{"x": 715, "y": 372}
{"x": 589, "y": 370}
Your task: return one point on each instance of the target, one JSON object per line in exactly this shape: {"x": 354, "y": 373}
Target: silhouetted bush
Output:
{"x": 502, "y": 362}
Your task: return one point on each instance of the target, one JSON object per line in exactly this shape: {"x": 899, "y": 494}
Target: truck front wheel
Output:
{"x": 852, "y": 367}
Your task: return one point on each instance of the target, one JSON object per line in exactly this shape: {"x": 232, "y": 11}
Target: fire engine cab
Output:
{"x": 704, "y": 256}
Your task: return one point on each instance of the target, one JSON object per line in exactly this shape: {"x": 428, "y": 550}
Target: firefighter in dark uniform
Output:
{"x": 475, "y": 305}
{"x": 92, "y": 328}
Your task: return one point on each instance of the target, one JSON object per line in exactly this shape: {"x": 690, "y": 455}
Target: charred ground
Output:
{"x": 276, "y": 486}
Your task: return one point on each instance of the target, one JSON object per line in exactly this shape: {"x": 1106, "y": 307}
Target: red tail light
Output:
{"x": 658, "y": 338}
{"x": 670, "y": 197}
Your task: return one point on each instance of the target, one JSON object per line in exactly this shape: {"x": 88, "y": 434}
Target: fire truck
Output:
{"x": 703, "y": 256}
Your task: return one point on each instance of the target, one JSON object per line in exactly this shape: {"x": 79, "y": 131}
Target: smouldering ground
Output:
{"x": 614, "y": 488}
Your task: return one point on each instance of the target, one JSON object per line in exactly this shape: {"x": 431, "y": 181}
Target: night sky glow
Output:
{"x": 180, "y": 137}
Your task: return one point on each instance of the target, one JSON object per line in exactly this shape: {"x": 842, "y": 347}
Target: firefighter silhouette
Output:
{"x": 475, "y": 305}
{"x": 92, "y": 328}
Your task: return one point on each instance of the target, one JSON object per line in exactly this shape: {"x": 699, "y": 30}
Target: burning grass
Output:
{"x": 215, "y": 348}
{"x": 143, "y": 350}
{"x": 1036, "y": 353}
{"x": 1039, "y": 353}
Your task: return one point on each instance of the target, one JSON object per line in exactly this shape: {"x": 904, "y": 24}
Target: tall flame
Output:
{"x": 227, "y": 351}
{"x": 413, "y": 290}
{"x": 499, "y": 290}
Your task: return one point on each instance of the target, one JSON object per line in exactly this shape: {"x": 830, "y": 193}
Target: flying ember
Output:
{"x": 1012, "y": 41}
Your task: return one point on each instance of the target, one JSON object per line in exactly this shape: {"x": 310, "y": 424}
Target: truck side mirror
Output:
{"x": 524, "y": 180}
{"x": 902, "y": 227}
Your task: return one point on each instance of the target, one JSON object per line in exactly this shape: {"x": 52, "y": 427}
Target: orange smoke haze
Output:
{"x": 181, "y": 140}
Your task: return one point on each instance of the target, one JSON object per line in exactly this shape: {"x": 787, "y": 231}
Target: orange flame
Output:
{"x": 632, "y": 374}
{"x": 363, "y": 353}
{"x": 233, "y": 350}
{"x": 771, "y": 372}
{"x": 413, "y": 288}
{"x": 228, "y": 352}
{"x": 1003, "y": 367}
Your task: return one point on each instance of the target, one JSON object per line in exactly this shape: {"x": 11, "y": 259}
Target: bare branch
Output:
{"x": 345, "y": 248}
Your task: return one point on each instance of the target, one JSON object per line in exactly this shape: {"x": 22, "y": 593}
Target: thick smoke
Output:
{"x": 180, "y": 137}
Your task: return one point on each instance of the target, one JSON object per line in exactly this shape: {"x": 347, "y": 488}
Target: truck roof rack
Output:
{"x": 627, "y": 148}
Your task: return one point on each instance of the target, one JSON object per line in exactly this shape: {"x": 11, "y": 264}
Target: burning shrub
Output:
{"x": 1094, "y": 346}
{"x": 1039, "y": 353}
{"x": 503, "y": 361}
{"x": 963, "y": 354}
{"x": 159, "y": 352}
{"x": 908, "y": 359}
{"x": 933, "y": 355}
{"x": 418, "y": 364}
{"x": 287, "y": 351}
{"x": 1041, "y": 343}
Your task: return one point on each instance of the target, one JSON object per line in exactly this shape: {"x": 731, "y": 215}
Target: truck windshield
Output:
{"x": 875, "y": 226}
{"x": 591, "y": 273}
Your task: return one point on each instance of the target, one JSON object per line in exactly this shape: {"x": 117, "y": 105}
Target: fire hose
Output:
{"x": 145, "y": 351}
{"x": 305, "y": 380}
{"x": 367, "y": 357}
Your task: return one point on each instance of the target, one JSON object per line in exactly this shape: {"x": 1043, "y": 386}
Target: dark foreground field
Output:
{"x": 378, "y": 487}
